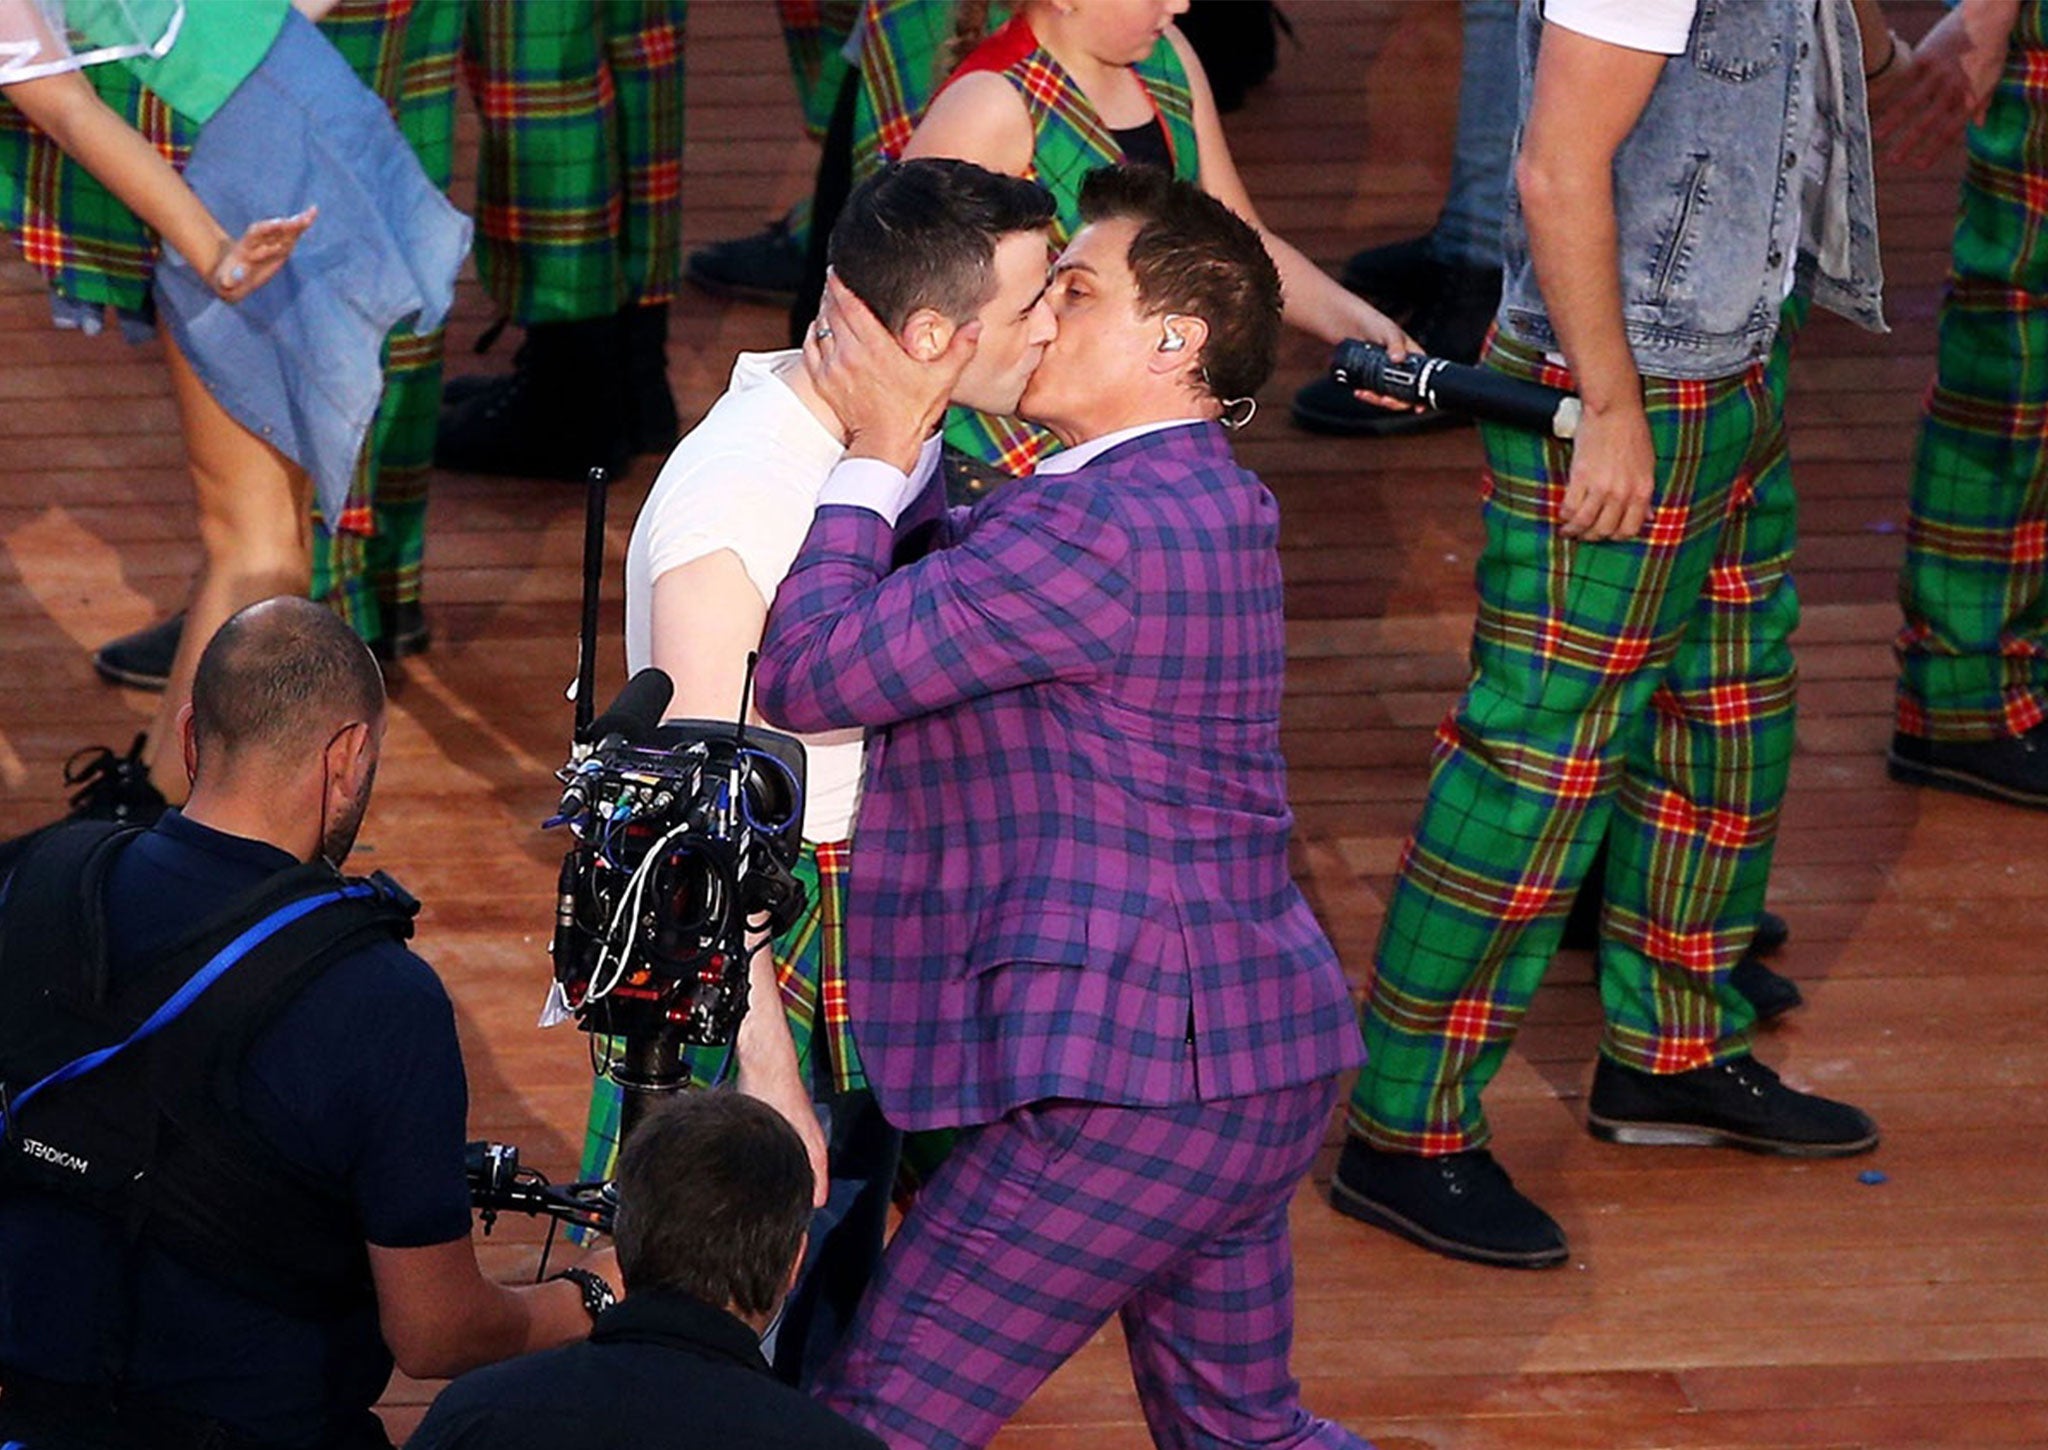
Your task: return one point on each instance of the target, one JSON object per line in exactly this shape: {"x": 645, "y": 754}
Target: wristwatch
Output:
{"x": 597, "y": 1294}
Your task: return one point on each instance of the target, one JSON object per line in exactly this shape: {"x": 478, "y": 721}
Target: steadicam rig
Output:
{"x": 685, "y": 835}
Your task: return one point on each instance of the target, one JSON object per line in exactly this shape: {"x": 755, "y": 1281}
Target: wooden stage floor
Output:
{"x": 1713, "y": 1299}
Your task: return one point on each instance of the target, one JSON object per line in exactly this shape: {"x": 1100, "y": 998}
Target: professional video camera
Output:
{"x": 1437, "y": 382}
{"x": 685, "y": 833}
{"x": 685, "y": 836}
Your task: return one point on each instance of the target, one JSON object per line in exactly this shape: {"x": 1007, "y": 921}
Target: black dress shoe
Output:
{"x": 2010, "y": 768}
{"x": 142, "y": 659}
{"x": 1739, "y": 1103}
{"x": 1770, "y": 994}
{"x": 1462, "y": 1205}
{"x": 766, "y": 267}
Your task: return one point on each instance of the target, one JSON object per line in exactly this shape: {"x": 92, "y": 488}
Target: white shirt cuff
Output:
{"x": 865, "y": 483}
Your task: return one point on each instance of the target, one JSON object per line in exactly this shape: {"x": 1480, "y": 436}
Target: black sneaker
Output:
{"x": 766, "y": 267}
{"x": 1462, "y": 1205}
{"x": 142, "y": 659}
{"x": 1734, "y": 1104}
{"x": 2010, "y": 768}
{"x": 108, "y": 787}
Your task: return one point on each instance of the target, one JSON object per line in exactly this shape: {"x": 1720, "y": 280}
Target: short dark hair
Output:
{"x": 923, "y": 233}
{"x": 281, "y": 675}
{"x": 714, "y": 1199}
{"x": 1194, "y": 255}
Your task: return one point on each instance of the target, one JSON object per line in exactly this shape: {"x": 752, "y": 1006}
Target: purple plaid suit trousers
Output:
{"x": 1039, "y": 1227}
{"x": 1077, "y": 936}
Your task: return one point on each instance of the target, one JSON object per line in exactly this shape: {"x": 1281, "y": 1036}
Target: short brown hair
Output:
{"x": 923, "y": 233}
{"x": 1194, "y": 255}
{"x": 714, "y": 1200}
{"x": 280, "y": 675}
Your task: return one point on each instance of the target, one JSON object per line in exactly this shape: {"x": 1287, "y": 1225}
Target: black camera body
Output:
{"x": 685, "y": 838}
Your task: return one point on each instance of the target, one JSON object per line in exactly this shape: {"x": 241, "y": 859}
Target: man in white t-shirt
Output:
{"x": 941, "y": 251}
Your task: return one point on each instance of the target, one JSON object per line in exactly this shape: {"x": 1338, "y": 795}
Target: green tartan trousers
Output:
{"x": 1973, "y": 650}
{"x": 370, "y": 558}
{"x": 1639, "y": 689}
{"x": 580, "y": 167}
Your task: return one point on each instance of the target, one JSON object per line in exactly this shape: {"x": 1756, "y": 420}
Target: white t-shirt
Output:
{"x": 1660, "y": 26}
{"x": 746, "y": 479}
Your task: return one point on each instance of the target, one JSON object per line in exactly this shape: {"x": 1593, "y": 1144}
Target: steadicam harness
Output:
{"x": 124, "y": 1097}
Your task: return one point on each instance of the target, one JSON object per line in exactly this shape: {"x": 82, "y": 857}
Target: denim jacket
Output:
{"x": 1708, "y": 185}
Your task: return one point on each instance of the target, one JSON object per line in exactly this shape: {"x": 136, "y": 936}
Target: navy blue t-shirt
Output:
{"x": 359, "y": 1079}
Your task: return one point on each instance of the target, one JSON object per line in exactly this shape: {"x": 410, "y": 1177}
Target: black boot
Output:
{"x": 562, "y": 410}
{"x": 650, "y": 404}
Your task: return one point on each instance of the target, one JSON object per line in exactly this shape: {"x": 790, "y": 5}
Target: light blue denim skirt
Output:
{"x": 298, "y": 362}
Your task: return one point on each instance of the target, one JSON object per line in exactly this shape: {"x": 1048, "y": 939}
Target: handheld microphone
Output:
{"x": 1456, "y": 388}
{"x": 635, "y": 712}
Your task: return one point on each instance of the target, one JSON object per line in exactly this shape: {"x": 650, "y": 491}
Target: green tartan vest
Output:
{"x": 1069, "y": 141}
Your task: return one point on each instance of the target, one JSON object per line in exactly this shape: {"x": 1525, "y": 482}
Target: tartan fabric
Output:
{"x": 904, "y": 48}
{"x": 1071, "y": 864}
{"x": 810, "y": 968}
{"x": 1640, "y": 690}
{"x": 1043, "y": 1225}
{"x": 89, "y": 246}
{"x": 1069, "y": 141}
{"x": 579, "y": 174}
{"x": 370, "y": 558}
{"x": 1973, "y": 650}
{"x": 814, "y": 32}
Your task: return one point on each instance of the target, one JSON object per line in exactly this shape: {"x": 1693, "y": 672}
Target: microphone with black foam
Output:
{"x": 1453, "y": 387}
{"x": 635, "y": 712}
{"x": 632, "y": 718}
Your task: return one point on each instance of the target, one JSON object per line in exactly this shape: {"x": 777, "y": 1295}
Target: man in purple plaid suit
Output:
{"x": 1077, "y": 936}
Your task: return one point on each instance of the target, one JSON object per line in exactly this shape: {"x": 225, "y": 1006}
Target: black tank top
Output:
{"x": 1145, "y": 145}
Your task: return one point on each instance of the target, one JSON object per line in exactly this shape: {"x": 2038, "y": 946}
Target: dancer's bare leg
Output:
{"x": 256, "y": 528}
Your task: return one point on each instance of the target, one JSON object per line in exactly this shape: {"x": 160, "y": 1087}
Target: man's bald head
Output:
{"x": 277, "y": 681}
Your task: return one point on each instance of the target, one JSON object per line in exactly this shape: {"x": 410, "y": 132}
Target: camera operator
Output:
{"x": 939, "y": 249}
{"x": 184, "y": 1308}
{"x": 714, "y": 1199}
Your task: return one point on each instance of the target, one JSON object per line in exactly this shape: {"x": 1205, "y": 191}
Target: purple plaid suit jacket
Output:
{"x": 1070, "y": 865}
